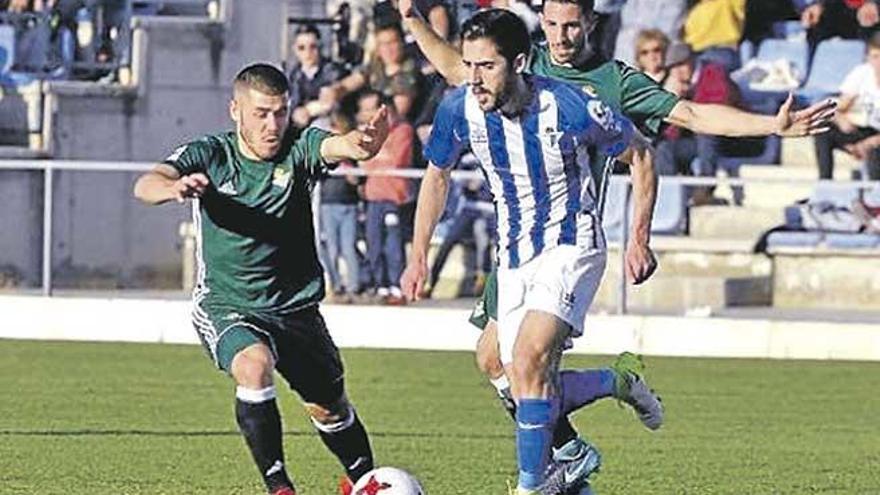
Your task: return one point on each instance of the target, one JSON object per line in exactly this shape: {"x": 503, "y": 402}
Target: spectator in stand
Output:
{"x": 32, "y": 34}
{"x": 761, "y": 15}
{"x": 680, "y": 151}
{"x": 651, "y": 46}
{"x": 472, "y": 220}
{"x": 856, "y": 127}
{"x": 384, "y": 197}
{"x": 714, "y": 29}
{"x": 338, "y": 221}
{"x": 637, "y": 15}
{"x": 390, "y": 72}
{"x": 435, "y": 12}
{"x": 308, "y": 76}
{"x": 845, "y": 18}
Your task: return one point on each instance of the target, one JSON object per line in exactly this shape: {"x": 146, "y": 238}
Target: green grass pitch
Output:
{"x": 86, "y": 418}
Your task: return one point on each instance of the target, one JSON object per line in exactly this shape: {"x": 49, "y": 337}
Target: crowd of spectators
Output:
{"x": 75, "y": 39}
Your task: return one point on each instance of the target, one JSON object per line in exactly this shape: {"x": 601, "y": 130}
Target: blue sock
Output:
{"x": 535, "y": 419}
{"x": 582, "y": 387}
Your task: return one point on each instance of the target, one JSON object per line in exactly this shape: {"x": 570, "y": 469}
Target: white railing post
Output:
{"x": 47, "y": 229}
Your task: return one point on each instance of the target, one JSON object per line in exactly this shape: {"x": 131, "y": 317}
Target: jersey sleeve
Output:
{"x": 447, "y": 140}
{"x": 644, "y": 101}
{"x": 607, "y": 130}
{"x": 192, "y": 157}
{"x": 306, "y": 152}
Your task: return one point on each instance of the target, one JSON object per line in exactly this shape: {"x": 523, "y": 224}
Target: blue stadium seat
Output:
{"x": 612, "y": 216}
{"x": 7, "y": 51}
{"x": 834, "y": 59}
{"x": 794, "y": 239}
{"x": 789, "y": 29}
{"x": 670, "y": 212}
{"x": 852, "y": 241}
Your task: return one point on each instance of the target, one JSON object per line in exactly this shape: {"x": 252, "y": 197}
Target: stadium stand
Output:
{"x": 833, "y": 60}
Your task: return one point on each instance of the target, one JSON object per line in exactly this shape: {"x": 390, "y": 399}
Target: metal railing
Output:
{"x": 49, "y": 167}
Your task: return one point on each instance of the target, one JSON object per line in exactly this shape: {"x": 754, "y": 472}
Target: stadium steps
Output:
{"x": 734, "y": 222}
{"x": 694, "y": 273}
{"x": 827, "y": 278}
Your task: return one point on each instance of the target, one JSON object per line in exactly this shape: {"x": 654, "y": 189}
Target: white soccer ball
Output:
{"x": 387, "y": 481}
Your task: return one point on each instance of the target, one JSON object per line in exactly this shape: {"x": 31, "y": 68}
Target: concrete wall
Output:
{"x": 447, "y": 329}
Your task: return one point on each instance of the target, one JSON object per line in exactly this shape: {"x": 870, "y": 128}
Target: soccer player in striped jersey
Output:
{"x": 531, "y": 135}
{"x": 568, "y": 56}
{"x": 255, "y": 305}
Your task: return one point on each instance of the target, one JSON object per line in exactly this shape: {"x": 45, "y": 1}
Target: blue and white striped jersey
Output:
{"x": 537, "y": 163}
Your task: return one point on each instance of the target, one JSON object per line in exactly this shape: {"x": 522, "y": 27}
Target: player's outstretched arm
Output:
{"x": 722, "y": 120}
{"x": 442, "y": 55}
{"x": 432, "y": 201}
{"x": 359, "y": 144}
{"x": 640, "y": 259}
{"x": 164, "y": 183}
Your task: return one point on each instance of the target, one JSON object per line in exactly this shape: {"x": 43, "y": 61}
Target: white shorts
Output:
{"x": 561, "y": 281}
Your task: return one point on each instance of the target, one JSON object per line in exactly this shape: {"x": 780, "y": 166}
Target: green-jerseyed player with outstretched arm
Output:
{"x": 567, "y": 56}
{"x": 255, "y": 304}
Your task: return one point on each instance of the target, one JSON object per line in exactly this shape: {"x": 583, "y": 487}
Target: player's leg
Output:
{"x": 489, "y": 363}
{"x": 238, "y": 346}
{"x": 536, "y": 354}
{"x": 311, "y": 364}
{"x": 256, "y": 412}
{"x": 488, "y": 357}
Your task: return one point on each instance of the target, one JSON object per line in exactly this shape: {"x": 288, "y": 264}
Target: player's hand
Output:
{"x": 364, "y": 143}
{"x": 868, "y": 14}
{"x": 300, "y": 117}
{"x": 406, "y": 8}
{"x": 640, "y": 262}
{"x": 811, "y": 15}
{"x": 813, "y": 120}
{"x": 861, "y": 149}
{"x": 328, "y": 96}
{"x": 412, "y": 282}
{"x": 190, "y": 186}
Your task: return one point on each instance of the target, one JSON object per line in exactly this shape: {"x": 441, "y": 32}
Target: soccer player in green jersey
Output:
{"x": 255, "y": 305}
{"x": 567, "y": 55}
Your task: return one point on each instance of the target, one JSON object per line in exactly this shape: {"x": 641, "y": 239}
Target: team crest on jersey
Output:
{"x": 603, "y": 116}
{"x": 280, "y": 177}
{"x": 479, "y": 136}
{"x": 590, "y": 90}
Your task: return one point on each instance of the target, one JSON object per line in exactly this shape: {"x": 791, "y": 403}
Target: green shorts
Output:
{"x": 486, "y": 307}
{"x": 304, "y": 352}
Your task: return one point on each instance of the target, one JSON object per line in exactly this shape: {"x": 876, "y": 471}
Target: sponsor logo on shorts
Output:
{"x": 568, "y": 299}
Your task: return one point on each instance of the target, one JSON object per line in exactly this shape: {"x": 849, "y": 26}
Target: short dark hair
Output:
{"x": 390, "y": 26}
{"x": 586, "y": 6}
{"x": 504, "y": 28}
{"x": 307, "y": 28}
{"x": 381, "y": 97}
{"x": 265, "y": 78}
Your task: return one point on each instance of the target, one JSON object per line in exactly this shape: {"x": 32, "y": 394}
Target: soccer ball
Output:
{"x": 387, "y": 481}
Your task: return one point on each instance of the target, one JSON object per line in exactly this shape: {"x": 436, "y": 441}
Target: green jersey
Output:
{"x": 255, "y": 238}
{"x": 627, "y": 90}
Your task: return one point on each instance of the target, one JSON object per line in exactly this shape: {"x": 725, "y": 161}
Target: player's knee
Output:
{"x": 529, "y": 365}
{"x": 253, "y": 367}
{"x": 331, "y": 417}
